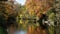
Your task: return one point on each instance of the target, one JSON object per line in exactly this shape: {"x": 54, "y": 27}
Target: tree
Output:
{"x": 38, "y": 6}
{"x": 8, "y": 14}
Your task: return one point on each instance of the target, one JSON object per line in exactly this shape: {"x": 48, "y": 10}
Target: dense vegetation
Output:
{"x": 28, "y": 15}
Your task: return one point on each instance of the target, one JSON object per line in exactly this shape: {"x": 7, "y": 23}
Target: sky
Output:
{"x": 22, "y": 2}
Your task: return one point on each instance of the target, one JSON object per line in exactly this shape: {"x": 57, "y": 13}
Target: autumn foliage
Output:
{"x": 38, "y": 6}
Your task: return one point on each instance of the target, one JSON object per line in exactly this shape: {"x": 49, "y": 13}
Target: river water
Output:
{"x": 21, "y": 32}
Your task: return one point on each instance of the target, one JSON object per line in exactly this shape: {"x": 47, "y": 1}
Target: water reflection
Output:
{"x": 21, "y": 32}
{"x": 25, "y": 25}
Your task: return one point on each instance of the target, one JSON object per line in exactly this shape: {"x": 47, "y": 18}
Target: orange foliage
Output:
{"x": 38, "y": 5}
